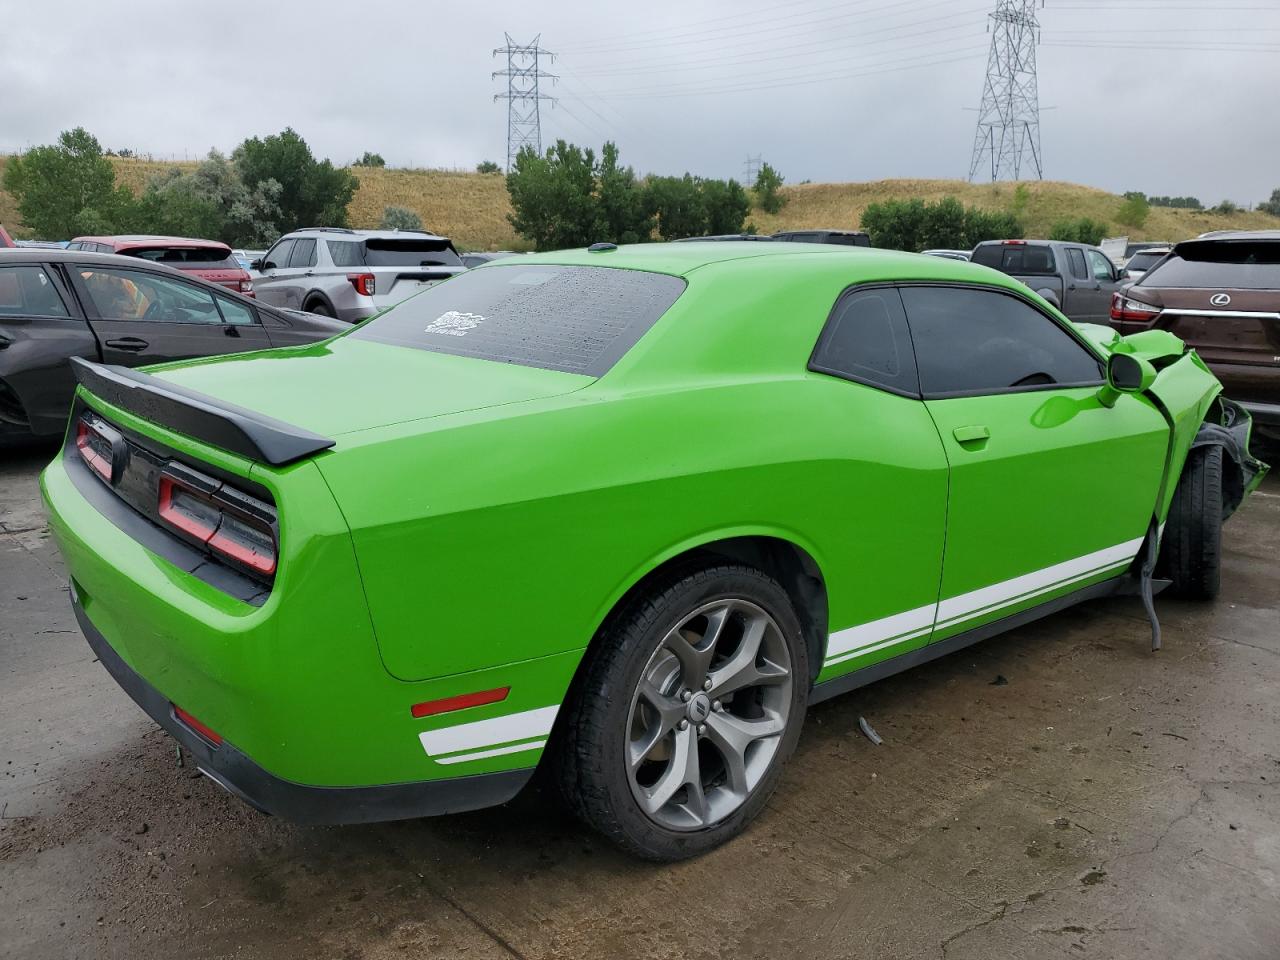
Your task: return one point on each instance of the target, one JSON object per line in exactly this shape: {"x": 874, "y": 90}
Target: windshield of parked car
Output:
{"x": 1019, "y": 258}
{"x": 187, "y": 258}
{"x": 1233, "y": 264}
{"x": 1142, "y": 261}
{"x": 409, "y": 253}
{"x": 573, "y": 319}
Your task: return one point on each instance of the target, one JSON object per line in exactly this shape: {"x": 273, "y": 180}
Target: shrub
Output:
{"x": 210, "y": 201}
{"x": 368, "y": 159}
{"x": 399, "y": 218}
{"x": 488, "y": 166}
{"x": 677, "y": 202}
{"x": 312, "y": 192}
{"x": 767, "y": 186}
{"x": 914, "y": 225}
{"x": 1133, "y": 212}
{"x": 1079, "y": 230}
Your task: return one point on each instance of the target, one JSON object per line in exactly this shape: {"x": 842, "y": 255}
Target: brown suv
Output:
{"x": 1221, "y": 294}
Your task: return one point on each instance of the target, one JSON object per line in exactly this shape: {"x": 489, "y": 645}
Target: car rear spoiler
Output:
{"x": 198, "y": 416}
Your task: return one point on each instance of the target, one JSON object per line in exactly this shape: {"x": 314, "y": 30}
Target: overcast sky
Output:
{"x": 1166, "y": 96}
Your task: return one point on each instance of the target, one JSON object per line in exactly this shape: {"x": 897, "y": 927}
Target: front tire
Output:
{"x": 1191, "y": 552}
{"x": 687, "y": 711}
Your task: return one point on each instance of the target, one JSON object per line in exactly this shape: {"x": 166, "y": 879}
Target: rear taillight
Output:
{"x": 236, "y": 527}
{"x": 365, "y": 283}
{"x": 97, "y": 443}
{"x": 1126, "y": 308}
{"x": 246, "y": 287}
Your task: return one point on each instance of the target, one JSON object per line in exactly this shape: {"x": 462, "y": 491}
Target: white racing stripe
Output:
{"x": 912, "y": 624}
{"x": 494, "y": 732}
{"x": 495, "y": 752}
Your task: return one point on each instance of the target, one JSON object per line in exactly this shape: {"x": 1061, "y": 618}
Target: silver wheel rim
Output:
{"x": 708, "y": 714}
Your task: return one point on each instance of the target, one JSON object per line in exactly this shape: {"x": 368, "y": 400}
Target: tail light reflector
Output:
{"x": 431, "y": 707}
{"x": 1126, "y": 308}
{"x": 204, "y": 731}
{"x": 365, "y": 283}
{"x": 235, "y": 526}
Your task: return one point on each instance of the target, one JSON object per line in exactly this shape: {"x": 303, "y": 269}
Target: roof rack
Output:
{"x": 322, "y": 230}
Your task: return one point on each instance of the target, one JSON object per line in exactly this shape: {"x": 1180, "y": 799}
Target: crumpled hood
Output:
{"x": 346, "y": 385}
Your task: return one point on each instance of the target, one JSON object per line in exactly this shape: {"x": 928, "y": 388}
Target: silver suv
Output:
{"x": 351, "y": 274}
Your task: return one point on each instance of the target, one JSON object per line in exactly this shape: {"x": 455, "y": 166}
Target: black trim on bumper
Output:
{"x": 1264, "y": 414}
{"x": 297, "y": 802}
{"x": 250, "y": 434}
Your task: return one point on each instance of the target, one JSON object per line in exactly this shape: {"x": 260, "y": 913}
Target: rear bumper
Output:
{"x": 240, "y": 775}
{"x": 1263, "y": 414}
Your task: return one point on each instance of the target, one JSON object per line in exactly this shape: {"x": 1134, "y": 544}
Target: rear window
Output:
{"x": 1017, "y": 258}
{"x": 397, "y": 252}
{"x": 1143, "y": 261}
{"x": 1238, "y": 265}
{"x": 572, "y": 319}
{"x": 187, "y": 258}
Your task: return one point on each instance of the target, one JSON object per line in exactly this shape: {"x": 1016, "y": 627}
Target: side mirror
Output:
{"x": 257, "y": 265}
{"x": 1126, "y": 374}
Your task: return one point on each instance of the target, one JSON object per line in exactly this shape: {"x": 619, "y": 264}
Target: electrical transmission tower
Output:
{"x": 1008, "y": 135}
{"x": 524, "y": 101}
{"x": 752, "y": 168}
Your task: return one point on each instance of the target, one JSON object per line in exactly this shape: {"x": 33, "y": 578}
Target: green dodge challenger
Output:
{"x": 626, "y": 512}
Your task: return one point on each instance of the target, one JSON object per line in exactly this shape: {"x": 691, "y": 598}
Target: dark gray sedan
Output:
{"x": 59, "y": 304}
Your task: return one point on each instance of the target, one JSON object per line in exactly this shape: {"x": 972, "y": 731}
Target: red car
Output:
{"x": 5, "y": 239}
{"x": 206, "y": 259}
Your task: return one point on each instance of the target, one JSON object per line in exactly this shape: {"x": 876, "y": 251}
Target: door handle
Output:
{"x": 133, "y": 344}
{"x": 976, "y": 434}
{"x": 4, "y": 342}
{"x": 231, "y": 331}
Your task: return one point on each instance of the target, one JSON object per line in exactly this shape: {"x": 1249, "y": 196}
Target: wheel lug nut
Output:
{"x": 686, "y": 696}
{"x": 684, "y": 724}
{"x": 706, "y": 684}
{"x": 702, "y": 729}
{"x": 718, "y": 707}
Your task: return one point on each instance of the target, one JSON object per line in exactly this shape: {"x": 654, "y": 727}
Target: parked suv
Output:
{"x": 1221, "y": 294}
{"x": 352, "y": 274}
{"x": 206, "y": 259}
{"x": 1077, "y": 279}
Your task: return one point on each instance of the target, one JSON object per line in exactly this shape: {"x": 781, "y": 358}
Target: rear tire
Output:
{"x": 631, "y": 744}
{"x": 1191, "y": 553}
{"x": 320, "y": 309}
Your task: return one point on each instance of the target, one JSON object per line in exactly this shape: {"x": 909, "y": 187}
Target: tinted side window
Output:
{"x": 28, "y": 292}
{"x": 233, "y": 312}
{"x": 1078, "y": 269}
{"x": 278, "y": 256}
{"x": 345, "y": 253}
{"x": 981, "y": 341}
{"x": 304, "y": 253}
{"x": 866, "y": 339}
{"x": 118, "y": 294}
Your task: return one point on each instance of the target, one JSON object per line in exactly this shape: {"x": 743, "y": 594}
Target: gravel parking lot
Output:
{"x": 1060, "y": 791}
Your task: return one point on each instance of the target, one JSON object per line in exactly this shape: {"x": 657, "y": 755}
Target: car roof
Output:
{"x": 858, "y": 264}
{"x": 341, "y": 232}
{"x": 1236, "y": 235}
{"x": 136, "y": 240}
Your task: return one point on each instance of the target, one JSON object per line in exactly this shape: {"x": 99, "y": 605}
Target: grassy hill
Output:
{"x": 472, "y": 208}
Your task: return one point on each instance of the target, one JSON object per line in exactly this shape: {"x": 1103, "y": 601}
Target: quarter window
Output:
{"x": 866, "y": 340}
{"x": 235, "y": 313}
{"x": 135, "y": 295}
{"x": 345, "y": 253}
{"x": 28, "y": 292}
{"x": 970, "y": 342}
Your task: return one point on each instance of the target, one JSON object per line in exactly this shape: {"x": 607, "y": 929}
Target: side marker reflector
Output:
{"x": 432, "y": 707}
{"x": 197, "y": 726}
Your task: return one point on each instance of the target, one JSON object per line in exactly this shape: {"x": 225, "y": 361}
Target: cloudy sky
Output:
{"x": 1166, "y": 96}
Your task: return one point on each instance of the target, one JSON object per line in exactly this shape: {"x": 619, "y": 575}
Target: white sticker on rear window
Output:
{"x": 454, "y": 323}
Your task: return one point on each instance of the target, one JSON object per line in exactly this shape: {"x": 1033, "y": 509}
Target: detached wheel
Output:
{"x": 1191, "y": 553}
{"x": 689, "y": 709}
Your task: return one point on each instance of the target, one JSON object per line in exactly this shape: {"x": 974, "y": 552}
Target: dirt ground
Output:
{"x": 1056, "y": 792}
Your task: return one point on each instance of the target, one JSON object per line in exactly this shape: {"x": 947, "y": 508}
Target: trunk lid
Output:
{"x": 347, "y": 385}
{"x": 393, "y": 284}
{"x": 1245, "y": 329}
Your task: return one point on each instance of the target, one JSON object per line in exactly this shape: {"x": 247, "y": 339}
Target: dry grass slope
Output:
{"x": 472, "y": 208}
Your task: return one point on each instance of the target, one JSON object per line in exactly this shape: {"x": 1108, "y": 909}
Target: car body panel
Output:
{"x": 475, "y": 522}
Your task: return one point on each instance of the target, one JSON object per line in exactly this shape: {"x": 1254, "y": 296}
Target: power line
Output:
{"x": 524, "y": 100}
{"x": 1008, "y": 131}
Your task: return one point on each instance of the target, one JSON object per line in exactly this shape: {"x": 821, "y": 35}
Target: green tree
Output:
{"x": 678, "y": 204}
{"x": 553, "y": 197}
{"x": 399, "y": 218}
{"x": 67, "y": 188}
{"x": 488, "y": 166}
{"x": 368, "y": 159}
{"x": 767, "y": 189}
{"x": 725, "y": 205}
{"x": 211, "y": 202}
{"x": 945, "y": 225}
{"x": 983, "y": 225}
{"x": 1079, "y": 230}
{"x": 1271, "y": 206}
{"x": 914, "y": 225}
{"x": 1133, "y": 212}
{"x": 1226, "y": 208}
{"x": 896, "y": 224}
{"x": 312, "y": 192}
{"x": 623, "y": 206}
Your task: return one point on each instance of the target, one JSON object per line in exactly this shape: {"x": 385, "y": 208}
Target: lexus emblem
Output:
{"x": 1220, "y": 300}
